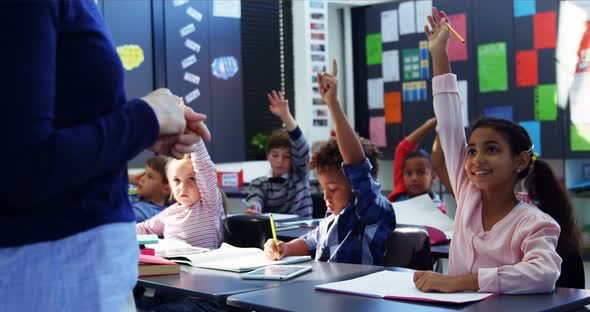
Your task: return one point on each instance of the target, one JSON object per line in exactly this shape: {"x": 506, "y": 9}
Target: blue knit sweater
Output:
{"x": 67, "y": 128}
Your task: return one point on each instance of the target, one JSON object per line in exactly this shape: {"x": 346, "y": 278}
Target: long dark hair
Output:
{"x": 543, "y": 188}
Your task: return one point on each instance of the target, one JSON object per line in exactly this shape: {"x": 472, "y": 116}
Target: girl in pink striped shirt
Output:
{"x": 499, "y": 244}
{"x": 197, "y": 215}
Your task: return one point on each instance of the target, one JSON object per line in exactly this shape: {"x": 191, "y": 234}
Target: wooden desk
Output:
{"x": 218, "y": 285}
{"x": 308, "y": 299}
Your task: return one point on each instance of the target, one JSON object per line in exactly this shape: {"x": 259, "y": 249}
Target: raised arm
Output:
{"x": 279, "y": 106}
{"x": 446, "y": 101}
{"x": 348, "y": 142}
{"x": 206, "y": 179}
{"x": 418, "y": 135}
{"x": 438, "y": 163}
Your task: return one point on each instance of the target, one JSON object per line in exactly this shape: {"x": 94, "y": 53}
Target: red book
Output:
{"x": 153, "y": 265}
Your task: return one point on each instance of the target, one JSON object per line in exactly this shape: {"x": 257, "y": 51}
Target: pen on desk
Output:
{"x": 274, "y": 234}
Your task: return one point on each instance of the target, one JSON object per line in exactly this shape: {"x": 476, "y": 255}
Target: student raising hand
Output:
{"x": 329, "y": 85}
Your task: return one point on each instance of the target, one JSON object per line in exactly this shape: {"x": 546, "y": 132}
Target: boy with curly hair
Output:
{"x": 359, "y": 219}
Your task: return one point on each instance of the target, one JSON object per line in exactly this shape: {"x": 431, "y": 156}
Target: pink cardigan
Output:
{"x": 518, "y": 254}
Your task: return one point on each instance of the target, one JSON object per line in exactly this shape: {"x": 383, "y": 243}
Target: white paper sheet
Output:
{"x": 407, "y": 21}
{"x": 423, "y": 9}
{"x": 579, "y": 97}
{"x": 390, "y": 65}
{"x": 389, "y": 26}
{"x": 187, "y": 30}
{"x": 420, "y": 210}
{"x": 397, "y": 285}
{"x": 375, "y": 93}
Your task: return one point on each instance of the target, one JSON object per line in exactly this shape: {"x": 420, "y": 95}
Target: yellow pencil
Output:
{"x": 455, "y": 33}
{"x": 274, "y": 234}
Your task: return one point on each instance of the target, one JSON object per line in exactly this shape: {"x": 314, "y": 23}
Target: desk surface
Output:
{"x": 283, "y": 299}
{"x": 218, "y": 285}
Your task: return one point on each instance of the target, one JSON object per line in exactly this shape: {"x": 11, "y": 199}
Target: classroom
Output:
{"x": 296, "y": 155}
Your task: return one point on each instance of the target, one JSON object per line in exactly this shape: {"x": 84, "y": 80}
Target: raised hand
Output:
{"x": 329, "y": 85}
{"x": 438, "y": 41}
{"x": 278, "y": 105}
{"x": 280, "y": 108}
{"x": 438, "y": 35}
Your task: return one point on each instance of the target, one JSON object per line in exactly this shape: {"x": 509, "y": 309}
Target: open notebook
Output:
{"x": 235, "y": 259}
{"x": 168, "y": 248}
{"x": 420, "y": 210}
{"x": 397, "y": 285}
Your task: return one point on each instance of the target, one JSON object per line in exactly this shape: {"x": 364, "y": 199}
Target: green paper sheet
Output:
{"x": 373, "y": 45}
{"x": 492, "y": 67}
{"x": 411, "y": 63}
{"x": 546, "y": 102}
{"x": 580, "y": 137}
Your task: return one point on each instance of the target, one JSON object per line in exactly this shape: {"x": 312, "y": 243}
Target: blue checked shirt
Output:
{"x": 359, "y": 233}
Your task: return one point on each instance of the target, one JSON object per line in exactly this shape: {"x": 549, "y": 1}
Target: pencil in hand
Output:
{"x": 454, "y": 32}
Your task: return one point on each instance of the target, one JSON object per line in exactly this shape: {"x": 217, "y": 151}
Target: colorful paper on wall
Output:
{"x": 464, "y": 95}
{"x": 375, "y": 93}
{"x": 458, "y": 50}
{"x": 546, "y": 102}
{"x": 393, "y": 107}
{"x": 390, "y": 66}
{"x": 492, "y": 67}
{"x": 524, "y": 7}
{"x": 411, "y": 61}
{"x": 377, "y": 131}
{"x": 579, "y": 94}
{"x": 423, "y": 9}
{"x": 414, "y": 91}
{"x": 424, "y": 64}
{"x": 545, "y": 27}
{"x": 580, "y": 137}
{"x": 389, "y": 26}
{"x": 534, "y": 130}
{"x": 373, "y": 47}
{"x": 526, "y": 68}
{"x": 407, "y": 20}
{"x": 504, "y": 112}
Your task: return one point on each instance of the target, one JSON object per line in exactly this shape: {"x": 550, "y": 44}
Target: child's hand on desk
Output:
{"x": 270, "y": 249}
{"x": 429, "y": 281}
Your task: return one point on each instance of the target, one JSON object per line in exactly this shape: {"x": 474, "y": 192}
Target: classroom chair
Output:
{"x": 246, "y": 231}
{"x": 572, "y": 269}
{"x": 408, "y": 247}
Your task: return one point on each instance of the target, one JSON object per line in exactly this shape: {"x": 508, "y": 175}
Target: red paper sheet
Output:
{"x": 545, "y": 25}
{"x": 527, "y": 68}
{"x": 458, "y": 50}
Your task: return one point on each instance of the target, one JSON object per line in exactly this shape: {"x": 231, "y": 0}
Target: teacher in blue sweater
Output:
{"x": 67, "y": 230}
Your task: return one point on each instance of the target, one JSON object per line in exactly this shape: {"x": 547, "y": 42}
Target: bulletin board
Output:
{"x": 506, "y": 68}
{"x": 192, "y": 47}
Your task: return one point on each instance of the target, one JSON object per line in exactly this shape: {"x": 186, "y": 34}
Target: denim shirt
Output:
{"x": 359, "y": 233}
